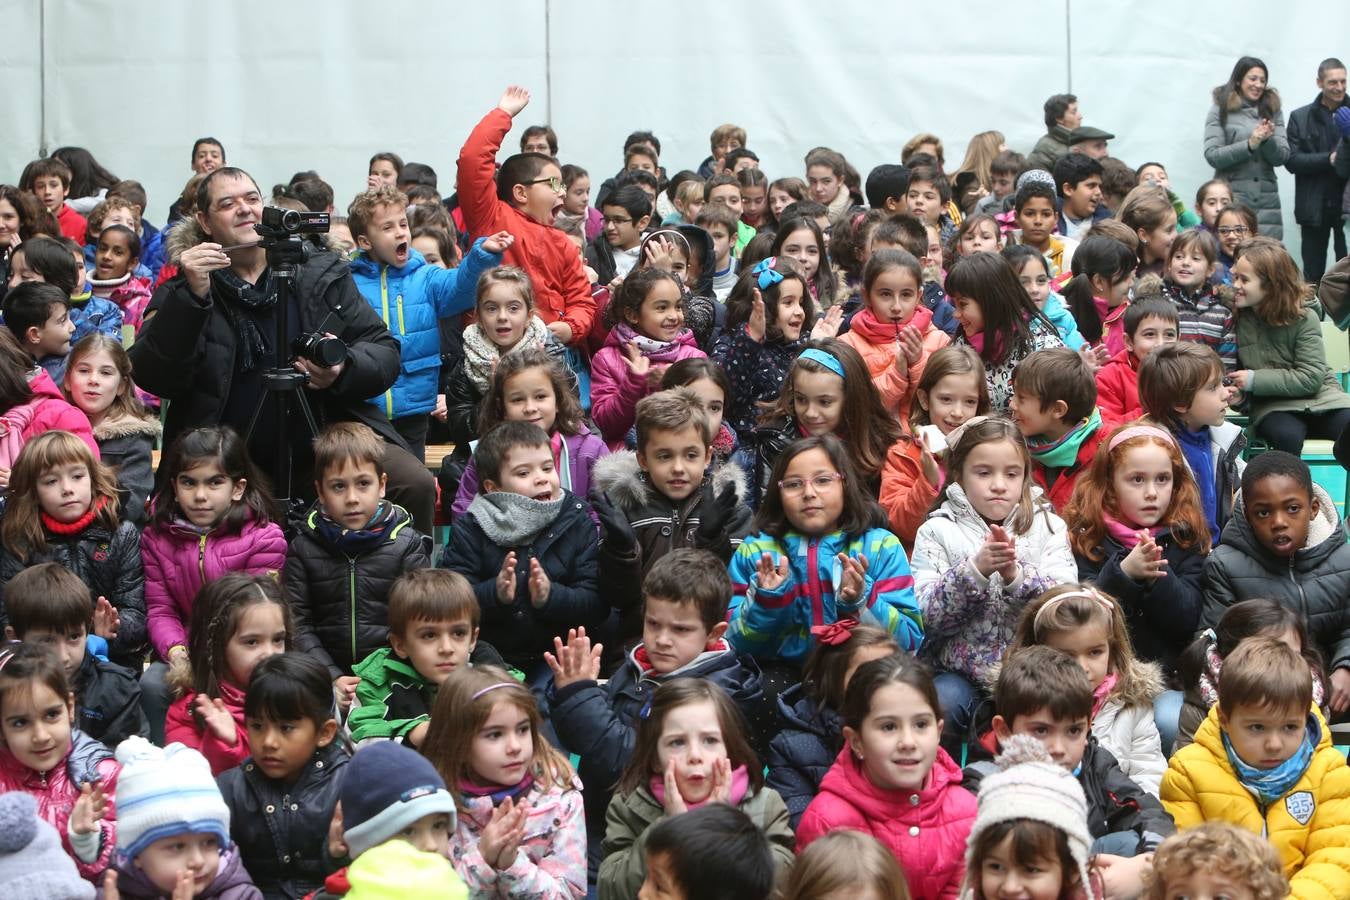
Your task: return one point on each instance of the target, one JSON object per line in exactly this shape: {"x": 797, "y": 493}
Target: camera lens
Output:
{"x": 328, "y": 352}
{"x": 290, "y": 220}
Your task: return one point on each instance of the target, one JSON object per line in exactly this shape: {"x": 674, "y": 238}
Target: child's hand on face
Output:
{"x": 89, "y": 809}
{"x": 344, "y": 687}
{"x": 539, "y": 585}
{"x": 106, "y": 619}
{"x": 639, "y": 366}
{"x": 660, "y": 253}
{"x": 769, "y": 577}
{"x": 910, "y": 343}
{"x": 1145, "y": 562}
{"x": 499, "y": 242}
{"x": 574, "y": 661}
{"x": 721, "y": 782}
{"x": 854, "y": 573}
{"x": 1339, "y": 701}
{"x": 827, "y": 326}
{"x": 217, "y": 719}
{"x": 514, "y": 99}
{"x": 674, "y": 800}
{"x": 506, "y": 580}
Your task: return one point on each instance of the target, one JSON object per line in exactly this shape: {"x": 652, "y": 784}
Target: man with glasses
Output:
{"x": 210, "y": 334}
{"x": 1314, "y": 139}
{"x": 524, "y": 198}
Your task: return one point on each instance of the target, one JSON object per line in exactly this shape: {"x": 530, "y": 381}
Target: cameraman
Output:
{"x": 210, "y": 331}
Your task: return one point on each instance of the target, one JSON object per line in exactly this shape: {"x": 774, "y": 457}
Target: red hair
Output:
{"x": 1094, "y": 495}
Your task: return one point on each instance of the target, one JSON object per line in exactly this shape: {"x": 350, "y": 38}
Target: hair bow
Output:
{"x": 956, "y": 434}
{"x": 766, "y": 273}
{"x": 835, "y": 633}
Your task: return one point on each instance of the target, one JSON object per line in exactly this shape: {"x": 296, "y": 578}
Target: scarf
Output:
{"x": 1062, "y": 453}
{"x": 353, "y": 542}
{"x": 1272, "y": 784}
{"x": 66, "y": 529}
{"x": 1195, "y": 446}
{"x": 875, "y": 331}
{"x": 656, "y": 351}
{"x": 254, "y": 300}
{"x": 740, "y": 787}
{"x": 481, "y": 355}
{"x": 1127, "y": 534}
{"x": 497, "y": 792}
{"x": 1209, "y": 679}
{"x": 510, "y": 520}
{"x": 1102, "y": 692}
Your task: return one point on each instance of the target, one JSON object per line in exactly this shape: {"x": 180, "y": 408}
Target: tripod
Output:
{"x": 283, "y": 384}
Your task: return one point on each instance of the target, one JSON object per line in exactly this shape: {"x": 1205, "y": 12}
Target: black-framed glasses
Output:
{"x": 1227, "y": 230}
{"x": 553, "y": 181}
{"x": 615, "y": 220}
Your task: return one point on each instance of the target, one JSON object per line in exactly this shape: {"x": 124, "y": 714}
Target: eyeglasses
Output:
{"x": 822, "y": 482}
{"x": 1227, "y": 230}
{"x": 554, "y": 183}
{"x": 615, "y": 220}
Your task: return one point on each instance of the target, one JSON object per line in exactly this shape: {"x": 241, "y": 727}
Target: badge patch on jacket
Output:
{"x": 1300, "y": 805}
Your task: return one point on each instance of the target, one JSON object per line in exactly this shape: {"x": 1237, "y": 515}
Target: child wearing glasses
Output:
{"x": 614, "y": 252}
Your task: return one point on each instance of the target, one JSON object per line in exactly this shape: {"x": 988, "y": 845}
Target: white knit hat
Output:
{"x": 32, "y": 864}
{"x": 164, "y": 792}
{"x": 1030, "y": 785}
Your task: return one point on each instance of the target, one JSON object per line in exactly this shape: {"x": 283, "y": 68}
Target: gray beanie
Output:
{"x": 32, "y": 864}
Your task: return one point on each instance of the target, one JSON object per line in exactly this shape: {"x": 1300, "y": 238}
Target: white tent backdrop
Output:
{"x": 290, "y": 86}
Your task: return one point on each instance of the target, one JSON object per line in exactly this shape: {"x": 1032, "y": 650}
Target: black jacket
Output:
{"x": 1162, "y": 615}
{"x": 339, "y": 595}
{"x": 1115, "y": 803}
{"x": 109, "y": 562}
{"x": 108, "y": 702}
{"x": 186, "y": 351}
{"x": 1313, "y": 135}
{"x": 127, "y": 444}
{"x": 566, "y": 550}
{"x": 803, "y": 749}
{"x": 282, "y": 830}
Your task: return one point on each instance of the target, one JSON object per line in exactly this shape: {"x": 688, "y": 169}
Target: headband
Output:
{"x": 828, "y": 360}
{"x": 956, "y": 434}
{"x": 1100, "y": 599}
{"x": 767, "y": 275}
{"x": 1135, "y": 431}
{"x": 493, "y": 687}
{"x": 672, "y": 233}
{"x": 835, "y": 633}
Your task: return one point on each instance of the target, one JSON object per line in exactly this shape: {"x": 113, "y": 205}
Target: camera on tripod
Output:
{"x": 279, "y": 234}
{"x": 319, "y": 349}
{"x": 282, "y": 223}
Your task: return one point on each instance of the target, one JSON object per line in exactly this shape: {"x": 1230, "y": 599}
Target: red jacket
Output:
{"x": 1118, "y": 389}
{"x": 181, "y": 725}
{"x": 561, "y": 289}
{"x": 926, "y": 829}
{"x": 72, "y": 224}
{"x": 1059, "y": 493}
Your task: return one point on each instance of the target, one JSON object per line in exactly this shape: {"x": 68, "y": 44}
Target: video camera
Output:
{"x": 282, "y": 223}
{"x": 279, "y": 234}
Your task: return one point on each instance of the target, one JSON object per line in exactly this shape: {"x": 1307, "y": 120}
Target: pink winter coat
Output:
{"x": 926, "y": 830}
{"x": 57, "y": 790}
{"x": 181, "y": 725}
{"x": 178, "y": 561}
{"x": 551, "y": 861}
{"x": 52, "y": 413}
{"x": 615, "y": 390}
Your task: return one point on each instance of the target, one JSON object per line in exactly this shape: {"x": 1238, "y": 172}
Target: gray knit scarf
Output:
{"x": 510, "y": 520}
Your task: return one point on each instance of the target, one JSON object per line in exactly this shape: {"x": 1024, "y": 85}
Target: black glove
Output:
{"x": 619, "y": 535}
{"x": 715, "y": 515}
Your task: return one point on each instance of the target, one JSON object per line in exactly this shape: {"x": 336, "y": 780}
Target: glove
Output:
{"x": 619, "y": 535}
{"x": 715, "y": 514}
{"x": 1343, "y": 121}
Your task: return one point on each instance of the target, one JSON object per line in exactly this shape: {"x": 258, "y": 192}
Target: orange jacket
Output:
{"x": 906, "y": 494}
{"x": 896, "y": 387}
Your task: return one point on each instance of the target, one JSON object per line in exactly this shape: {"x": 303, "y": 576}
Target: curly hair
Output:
{"x": 1243, "y": 858}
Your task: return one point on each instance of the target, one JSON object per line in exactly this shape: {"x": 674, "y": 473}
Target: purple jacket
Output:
{"x": 178, "y": 561}
{"x": 583, "y": 449}
{"x": 231, "y": 882}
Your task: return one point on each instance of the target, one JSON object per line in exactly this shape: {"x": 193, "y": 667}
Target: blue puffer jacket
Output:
{"x": 411, "y": 300}
{"x": 803, "y": 749}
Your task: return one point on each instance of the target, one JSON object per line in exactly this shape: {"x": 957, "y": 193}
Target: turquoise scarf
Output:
{"x": 1272, "y": 784}
{"x": 1063, "y": 453}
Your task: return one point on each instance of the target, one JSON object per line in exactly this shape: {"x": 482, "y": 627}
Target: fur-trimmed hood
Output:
{"x": 128, "y": 426}
{"x": 619, "y": 477}
{"x": 1230, "y": 101}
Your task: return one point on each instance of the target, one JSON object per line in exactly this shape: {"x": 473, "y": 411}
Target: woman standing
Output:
{"x": 1245, "y": 141}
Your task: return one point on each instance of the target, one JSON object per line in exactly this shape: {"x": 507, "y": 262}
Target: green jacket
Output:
{"x": 392, "y": 698}
{"x": 1288, "y": 362}
{"x": 1052, "y": 145}
{"x": 631, "y": 816}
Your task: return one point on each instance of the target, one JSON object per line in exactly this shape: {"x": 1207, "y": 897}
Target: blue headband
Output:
{"x": 766, "y": 275}
{"x": 828, "y": 360}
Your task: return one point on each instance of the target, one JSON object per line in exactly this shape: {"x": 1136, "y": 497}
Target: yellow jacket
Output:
{"x": 1309, "y": 826}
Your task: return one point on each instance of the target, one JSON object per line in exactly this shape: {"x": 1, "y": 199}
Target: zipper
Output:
{"x": 351, "y": 593}
{"x": 201, "y": 558}
{"x": 384, "y": 314}
{"x": 1302, "y": 597}
{"x": 813, "y": 582}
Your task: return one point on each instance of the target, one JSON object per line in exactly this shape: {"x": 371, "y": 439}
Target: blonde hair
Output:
{"x": 21, "y": 530}
{"x": 463, "y": 703}
{"x": 366, "y": 202}
{"x": 1146, "y": 207}
{"x": 992, "y": 431}
{"x": 980, "y": 153}
{"x": 845, "y": 861}
{"x": 1219, "y": 848}
{"x": 1070, "y": 607}
{"x": 512, "y": 276}
{"x": 125, "y": 404}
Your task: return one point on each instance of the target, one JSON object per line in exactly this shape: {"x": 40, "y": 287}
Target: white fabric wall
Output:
{"x": 290, "y": 86}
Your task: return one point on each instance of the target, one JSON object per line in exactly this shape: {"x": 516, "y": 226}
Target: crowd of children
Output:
{"x": 790, "y": 549}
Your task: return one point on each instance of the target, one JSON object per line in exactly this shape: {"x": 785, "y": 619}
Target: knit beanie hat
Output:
{"x": 1030, "y": 785}
{"x": 164, "y": 792}
{"x": 397, "y": 870}
{"x": 387, "y": 788}
{"x": 1031, "y": 175}
{"x": 32, "y": 864}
